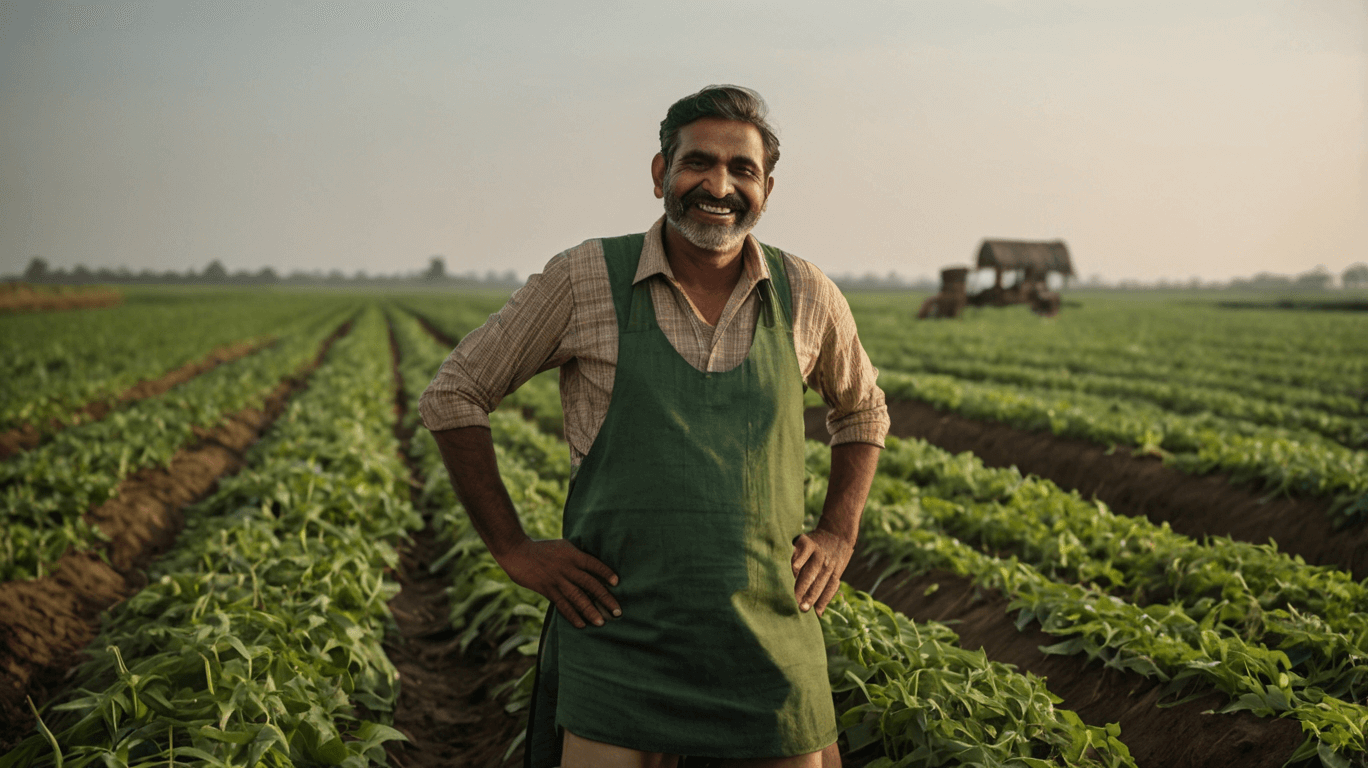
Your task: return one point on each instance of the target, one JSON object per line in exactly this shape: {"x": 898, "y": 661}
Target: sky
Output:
{"x": 1159, "y": 139}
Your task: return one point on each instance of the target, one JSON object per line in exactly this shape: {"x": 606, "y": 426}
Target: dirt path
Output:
{"x": 1197, "y": 506}
{"x": 1168, "y": 737}
{"x": 46, "y": 623}
{"x": 446, "y": 706}
{"x": 27, "y": 437}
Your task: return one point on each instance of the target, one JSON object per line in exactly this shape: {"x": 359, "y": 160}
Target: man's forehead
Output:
{"x": 719, "y": 137}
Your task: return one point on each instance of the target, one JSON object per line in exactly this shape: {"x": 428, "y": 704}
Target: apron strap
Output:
{"x": 780, "y": 288}
{"x": 622, "y": 254}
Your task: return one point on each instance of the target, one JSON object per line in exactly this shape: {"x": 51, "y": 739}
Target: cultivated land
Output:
{"x": 1127, "y": 535}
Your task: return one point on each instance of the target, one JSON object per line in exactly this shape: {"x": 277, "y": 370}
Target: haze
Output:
{"x": 1159, "y": 139}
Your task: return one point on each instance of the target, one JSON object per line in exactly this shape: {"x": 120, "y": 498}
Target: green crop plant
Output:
{"x": 1348, "y": 430}
{"x": 57, "y": 362}
{"x": 928, "y": 702}
{"x": 1313, "y": 613}
{"x": 1159, "y": 640}
{"x": 258, "y": 640}
{"x": 1282, "y": 461}
{"x": 46, "y": 492}
{"x": 1307, "y": 359}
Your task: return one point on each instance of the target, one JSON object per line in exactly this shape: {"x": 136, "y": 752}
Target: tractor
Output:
{"x": 1031, "y": 263}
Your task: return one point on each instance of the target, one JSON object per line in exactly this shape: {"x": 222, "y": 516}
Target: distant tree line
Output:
{"x": 40, "y": 272}
{"x": 1318, "y": 279}
{"x": 1354, "y": 277}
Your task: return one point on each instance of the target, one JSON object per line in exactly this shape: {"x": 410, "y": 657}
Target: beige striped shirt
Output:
{"x": 564, "y": 317}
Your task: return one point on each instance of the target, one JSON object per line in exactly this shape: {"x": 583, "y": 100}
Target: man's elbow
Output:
{"x": 866, "y": 426}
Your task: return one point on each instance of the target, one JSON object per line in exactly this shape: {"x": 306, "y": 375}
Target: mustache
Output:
{"x": 700, "y": 195}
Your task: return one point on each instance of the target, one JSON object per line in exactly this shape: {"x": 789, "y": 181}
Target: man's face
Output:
{"x": 716, "y": 188}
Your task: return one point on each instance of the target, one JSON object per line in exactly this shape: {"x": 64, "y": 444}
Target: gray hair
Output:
{"x": 726, "y": 102}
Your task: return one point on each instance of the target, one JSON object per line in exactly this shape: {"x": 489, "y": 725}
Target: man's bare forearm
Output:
{"x": 574, "y": 581}
{"x": 820, "y": 557}
{"x": 468, "y": 453}
{"x": 852, "y": 471}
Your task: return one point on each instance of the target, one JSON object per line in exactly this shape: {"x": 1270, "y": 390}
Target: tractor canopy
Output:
{"x": 1032, "y": 256}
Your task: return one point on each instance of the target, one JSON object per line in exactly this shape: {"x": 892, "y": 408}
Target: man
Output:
{"x": 686, "y": 591}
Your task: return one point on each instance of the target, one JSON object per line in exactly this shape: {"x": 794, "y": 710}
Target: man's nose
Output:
{"x": 718, "y": 182}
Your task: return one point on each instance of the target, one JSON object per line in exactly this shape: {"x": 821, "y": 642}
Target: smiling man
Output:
{"x": 686, "y": 592}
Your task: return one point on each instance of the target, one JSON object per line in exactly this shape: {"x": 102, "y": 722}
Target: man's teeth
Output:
{"x": 714, "y": 209}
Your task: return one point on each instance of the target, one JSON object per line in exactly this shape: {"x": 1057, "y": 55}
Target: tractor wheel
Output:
{"x": 1047, "y": 305}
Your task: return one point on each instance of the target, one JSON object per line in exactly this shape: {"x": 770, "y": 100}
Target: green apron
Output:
{"x": 693, "y": 494}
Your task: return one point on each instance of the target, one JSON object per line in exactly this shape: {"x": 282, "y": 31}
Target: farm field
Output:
{"x": 1132, "y": 534}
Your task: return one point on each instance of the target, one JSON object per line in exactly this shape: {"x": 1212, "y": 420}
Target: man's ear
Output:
{"x": 658, "y": 175}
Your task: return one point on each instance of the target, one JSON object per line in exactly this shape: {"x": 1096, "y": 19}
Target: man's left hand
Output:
{"x": 819, "y": 559}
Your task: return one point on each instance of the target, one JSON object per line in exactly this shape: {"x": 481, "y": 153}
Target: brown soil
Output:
{"x": 28, "y": 436}
{"x": 17, "y": 297}
{"x": 1131, "y": 484}
{"x": 46, "y": 623}
{"x": 1159, "y": 737}
{"x": 446, "y": 707}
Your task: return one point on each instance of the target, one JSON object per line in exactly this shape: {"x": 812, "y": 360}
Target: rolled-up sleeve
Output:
{"x": 840, "y": 372}
{"x": 516, "y": 343}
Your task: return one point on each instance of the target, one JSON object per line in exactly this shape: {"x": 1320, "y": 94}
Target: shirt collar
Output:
{"x": 653, "y": 261}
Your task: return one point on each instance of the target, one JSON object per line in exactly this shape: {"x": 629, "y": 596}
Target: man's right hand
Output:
{"x": 574, "y": 581}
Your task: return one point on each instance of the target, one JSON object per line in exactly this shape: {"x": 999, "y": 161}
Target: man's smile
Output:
{"x": 716, "y": 210}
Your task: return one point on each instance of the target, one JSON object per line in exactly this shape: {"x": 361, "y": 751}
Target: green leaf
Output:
{"x": 332, "y": 752}
{"x": 229, "y": 737}
{"x": 1330, "y": 758}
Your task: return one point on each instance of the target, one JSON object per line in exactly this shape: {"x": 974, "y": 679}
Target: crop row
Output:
{"x": 1350, "y": 431}
{"x": 1253, "y": 591}
{"x": 1310, "y": 360}
{"x": 904, "y": 686}
{"x": 56, "y": 363}
{"x": 929, "y": 506}
{"x": 258, "y": 641}
{"x": 47, "y": 491}
{"x": 1283, "y": 461}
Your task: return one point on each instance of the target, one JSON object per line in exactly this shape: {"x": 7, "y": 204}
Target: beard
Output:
{"x": 709, "y": 237}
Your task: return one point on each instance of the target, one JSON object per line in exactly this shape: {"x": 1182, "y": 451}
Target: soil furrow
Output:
{"x": 1196, "y": 506}
{"x": 46, "y": 623}
{"x": 434, "y": 331}
{"x": 27, "y": 437}
{"x": 1180, "y": 736}
{"x": 446, "y": 705}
